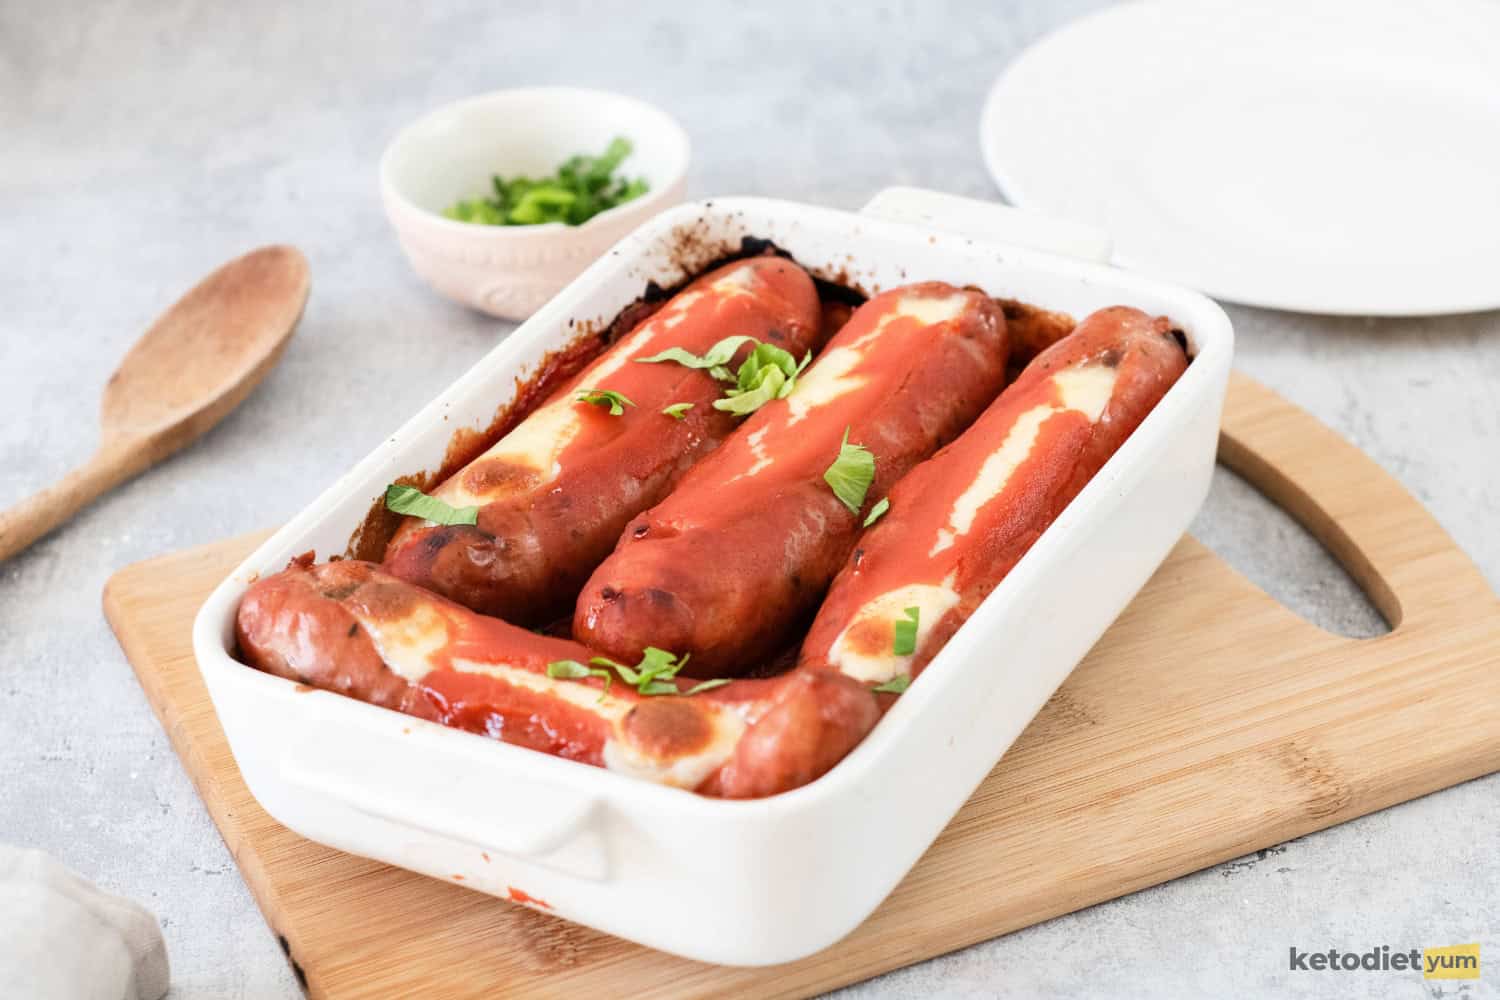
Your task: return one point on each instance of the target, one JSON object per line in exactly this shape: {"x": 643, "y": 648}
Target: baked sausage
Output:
{"x": 554, "y": 493}
{"x": 960, "y": 521}
{"x": 349, "y": 627}
{"x": 736, "y": 558}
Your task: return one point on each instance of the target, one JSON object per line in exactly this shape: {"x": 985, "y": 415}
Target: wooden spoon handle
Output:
{"x": 40, "y": 513}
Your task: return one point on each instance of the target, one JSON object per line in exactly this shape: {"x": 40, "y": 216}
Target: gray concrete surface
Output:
{"x": 145, "y": 143}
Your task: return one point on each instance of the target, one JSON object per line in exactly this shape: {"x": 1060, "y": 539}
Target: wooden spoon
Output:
{"x": 195, "y": 364}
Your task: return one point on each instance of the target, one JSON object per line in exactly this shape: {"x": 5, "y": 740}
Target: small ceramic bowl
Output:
{"x": 451, "y": 153}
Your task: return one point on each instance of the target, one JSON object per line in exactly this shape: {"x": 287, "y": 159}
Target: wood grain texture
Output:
{"x": 195, "y": 364}
{"x": 1207, "y": 723}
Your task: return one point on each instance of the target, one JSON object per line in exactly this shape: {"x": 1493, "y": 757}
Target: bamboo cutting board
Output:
{"x": 1209, "y": 722}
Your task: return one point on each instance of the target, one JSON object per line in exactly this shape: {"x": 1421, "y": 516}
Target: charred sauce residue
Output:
{"x": 1031, "y": 330}
{"x": 517, "y": 896}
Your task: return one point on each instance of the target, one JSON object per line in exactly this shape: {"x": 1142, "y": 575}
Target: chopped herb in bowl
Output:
{"x": 583, "y": 187}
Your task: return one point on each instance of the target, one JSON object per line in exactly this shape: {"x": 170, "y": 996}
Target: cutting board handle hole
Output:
{"x": 1269, "y": 546}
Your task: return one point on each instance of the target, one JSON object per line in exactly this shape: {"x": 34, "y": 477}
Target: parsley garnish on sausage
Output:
{"x": 652, "y": 676}
{"x": 412, "y": 501}
{"x": 905, "y": 642}
{"x": 715, "y": 357}
{"x": 573, "y": 670}
{"x": 767, "y": 373}
{"x": 604, "y": 397}
{"x": 851, "y": 473}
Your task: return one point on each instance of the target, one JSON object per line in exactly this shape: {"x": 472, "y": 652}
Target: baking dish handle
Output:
{"x": 990, "y": 221}
{"x": 416, "y": 785}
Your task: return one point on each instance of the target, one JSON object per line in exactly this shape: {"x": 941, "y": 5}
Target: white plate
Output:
{"x": 1341, "y": 156}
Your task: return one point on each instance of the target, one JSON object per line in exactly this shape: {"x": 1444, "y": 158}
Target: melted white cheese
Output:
{"x": 932, "y": 602}
{"x": 687, "y": 771}
{"x": 680, "y": 772}
{"x": 832, "y": 376}
{"x": 626, "y": 351}
{"x": 757, "y": 443}
{"x": 1087, "y": 389}
{"x": 408, "y": 644}
{"x": 537, "y": 443}
{"x": 619, "y": 754}
{"x": 929, "y": 310}
{"x": 1084, "y": 390}
{"x": 676, "y": 310}
{"x": 584, "y": 696}
{"x": 740, "y": 281}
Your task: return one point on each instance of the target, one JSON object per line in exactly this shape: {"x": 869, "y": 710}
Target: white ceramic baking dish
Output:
{"x": 753, "y": 882}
